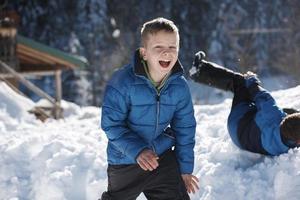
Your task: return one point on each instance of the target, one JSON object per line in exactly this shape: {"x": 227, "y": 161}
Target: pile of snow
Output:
{"x": 66, "y": 159}
{"x": 12, "y": 103}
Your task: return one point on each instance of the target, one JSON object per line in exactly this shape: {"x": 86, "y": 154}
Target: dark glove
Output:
{"x": 198, "y": 61}
{"x": 290, "y": 111}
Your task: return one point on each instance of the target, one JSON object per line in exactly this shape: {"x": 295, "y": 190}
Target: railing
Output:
{"x": 55, "y": 102}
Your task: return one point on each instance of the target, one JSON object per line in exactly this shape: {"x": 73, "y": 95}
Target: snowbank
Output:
{"x": 66, "y": 159}
{"x": 14, "y": 104}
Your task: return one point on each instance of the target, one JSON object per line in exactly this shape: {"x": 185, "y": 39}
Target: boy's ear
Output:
{"x": 143, "y": 53}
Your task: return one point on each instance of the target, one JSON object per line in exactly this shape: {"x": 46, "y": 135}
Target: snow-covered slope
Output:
{"x": 66, "y": 159}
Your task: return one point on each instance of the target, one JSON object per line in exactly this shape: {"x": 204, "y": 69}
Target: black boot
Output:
{"x": 214, "y": 75}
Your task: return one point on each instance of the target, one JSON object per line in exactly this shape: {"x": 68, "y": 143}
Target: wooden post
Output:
{"x": 58, "y": 91}
{"x": 8, "y": 42}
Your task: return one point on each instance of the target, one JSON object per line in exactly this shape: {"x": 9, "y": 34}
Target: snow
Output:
{"x": 66, "y": 159}
{"x": 15, "y": 104}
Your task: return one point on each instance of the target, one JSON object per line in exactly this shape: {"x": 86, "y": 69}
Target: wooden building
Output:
{"x": 22, "y": 57}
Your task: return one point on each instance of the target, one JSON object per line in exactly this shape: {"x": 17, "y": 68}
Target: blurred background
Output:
{"x": 260, "y": 35}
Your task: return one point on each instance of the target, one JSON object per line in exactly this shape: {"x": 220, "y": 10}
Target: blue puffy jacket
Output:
{"x": 255, "y": 126}
{"x": 135, "y": 116}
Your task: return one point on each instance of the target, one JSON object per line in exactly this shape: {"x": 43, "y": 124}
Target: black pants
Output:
{"x": 240, "y": 92}
{"x": 127, "y": 182}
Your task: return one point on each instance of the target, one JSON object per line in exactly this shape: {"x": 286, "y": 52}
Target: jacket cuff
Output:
{"x": 186, "y": 168}
{"x": 163, "y": 143}
{"x": 134, "y": 151}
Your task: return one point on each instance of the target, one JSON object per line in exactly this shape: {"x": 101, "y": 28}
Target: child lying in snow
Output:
{"x": 255, "y": 123}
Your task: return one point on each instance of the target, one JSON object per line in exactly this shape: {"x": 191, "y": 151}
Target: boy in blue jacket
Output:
{"x": 147, "y": 110}
{"x": 255, "y": 123}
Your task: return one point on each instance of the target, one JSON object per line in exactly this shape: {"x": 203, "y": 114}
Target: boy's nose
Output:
{"x": 165, "y": 53}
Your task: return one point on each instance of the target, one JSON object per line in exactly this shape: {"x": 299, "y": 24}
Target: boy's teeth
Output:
{"x": 164, "y": 64}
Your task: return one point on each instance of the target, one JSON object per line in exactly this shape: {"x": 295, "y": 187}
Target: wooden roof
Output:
{"x": 35, "y": 56}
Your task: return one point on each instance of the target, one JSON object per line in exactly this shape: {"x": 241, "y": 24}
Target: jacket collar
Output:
{"x": 138, "y": 67}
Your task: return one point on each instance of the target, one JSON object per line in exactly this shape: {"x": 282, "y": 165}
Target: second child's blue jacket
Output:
{"x": 135, "y": 116}
{"x": 255, "y": 126}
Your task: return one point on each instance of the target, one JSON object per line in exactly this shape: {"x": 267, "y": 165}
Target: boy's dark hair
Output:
{"x": 290, "y": 127}
{"x": 156, "y": 25}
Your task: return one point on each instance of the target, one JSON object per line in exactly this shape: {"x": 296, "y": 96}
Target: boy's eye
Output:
{"x": 160, "y": 48}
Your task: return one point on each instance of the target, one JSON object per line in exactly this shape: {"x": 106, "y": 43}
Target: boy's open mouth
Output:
{"x": 164, "y": 64}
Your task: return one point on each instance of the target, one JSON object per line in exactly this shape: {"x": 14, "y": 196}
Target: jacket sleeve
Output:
{"x": 113, "y": 122}
{"x": 184, "y": 124}
{"x": 266, "y": 105}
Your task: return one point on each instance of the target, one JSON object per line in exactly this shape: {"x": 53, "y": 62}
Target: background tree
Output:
{"x": 262, "y": 36}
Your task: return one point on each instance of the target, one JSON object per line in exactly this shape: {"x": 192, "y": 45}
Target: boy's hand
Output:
{"x": 191, "y": 182}
{"x": 147, "y": 160}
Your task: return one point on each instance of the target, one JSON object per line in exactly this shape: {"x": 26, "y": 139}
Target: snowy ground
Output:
{"x": 66, "y": 159}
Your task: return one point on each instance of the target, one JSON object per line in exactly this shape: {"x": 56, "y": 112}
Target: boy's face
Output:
{"x": 160, "y": 52}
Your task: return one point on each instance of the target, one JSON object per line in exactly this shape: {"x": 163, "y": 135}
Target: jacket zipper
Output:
{"x": 157, "y": 111}
{"x": 157, "y": 108}
{"x": 157, "y": 116}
